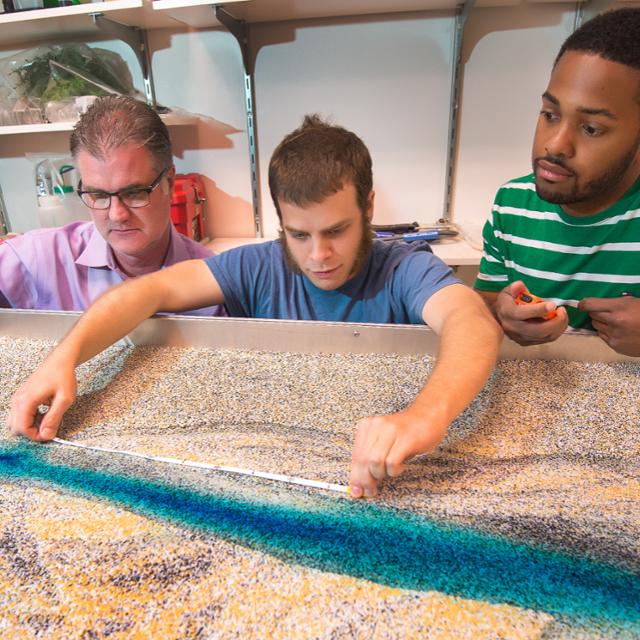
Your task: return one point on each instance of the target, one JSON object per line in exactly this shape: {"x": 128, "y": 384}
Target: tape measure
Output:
{"x": 526, "y": 297}
{"x": 277, "y": 477}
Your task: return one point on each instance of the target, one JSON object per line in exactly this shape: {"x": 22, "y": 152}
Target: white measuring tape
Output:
{"x": 278, "y": 477}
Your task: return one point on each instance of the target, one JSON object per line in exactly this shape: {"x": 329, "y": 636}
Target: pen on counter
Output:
{"x": 429, "y": 235}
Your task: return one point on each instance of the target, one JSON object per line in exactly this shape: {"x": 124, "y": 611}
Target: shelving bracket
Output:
{"x": 579, "y": 14}
{"x": 137, "y": 39}
{"x": 462, "y": 14}
{"x": 238, "y": 29}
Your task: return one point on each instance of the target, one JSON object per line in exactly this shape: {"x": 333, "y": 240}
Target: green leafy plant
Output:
{"x": 38, "y": 78}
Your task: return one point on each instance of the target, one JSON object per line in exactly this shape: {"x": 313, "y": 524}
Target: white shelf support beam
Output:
{"x": 137, "y": 39}
{"x": 238, "y": 29}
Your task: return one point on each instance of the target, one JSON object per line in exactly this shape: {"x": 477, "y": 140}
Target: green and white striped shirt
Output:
{"x": 561, "y": 257}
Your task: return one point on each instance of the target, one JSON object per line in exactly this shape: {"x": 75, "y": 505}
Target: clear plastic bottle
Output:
{"x": 43, "y": 178}
{"x": 50, "y": 211}
{"x": 74, "y": 209}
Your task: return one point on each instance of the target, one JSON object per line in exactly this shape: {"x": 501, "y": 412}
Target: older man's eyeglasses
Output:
{"x": 134, "y": 197}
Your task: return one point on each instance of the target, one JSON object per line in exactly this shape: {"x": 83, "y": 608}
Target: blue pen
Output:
{"x": 429, "y": 235}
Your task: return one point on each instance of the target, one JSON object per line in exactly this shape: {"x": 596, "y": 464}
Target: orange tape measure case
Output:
{"x": 526, "y": 297}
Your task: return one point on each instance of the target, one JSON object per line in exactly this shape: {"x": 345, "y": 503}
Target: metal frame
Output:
{"x": 239, "y": 30}
{"x": 297, "y": 336}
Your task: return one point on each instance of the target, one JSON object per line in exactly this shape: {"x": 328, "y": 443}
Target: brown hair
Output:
{"x": 316, "y": 161}
{"x": 114, "y": 121}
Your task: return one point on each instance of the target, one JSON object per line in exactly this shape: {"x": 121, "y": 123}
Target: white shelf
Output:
{"x": 453, "y": 251}
{"x": 170, "y": 119}
{"x": 49, "y": 24}
{"x": 24, "y": 27}
{"x": 199, "y": 14}
{"x": 36, "y": 128}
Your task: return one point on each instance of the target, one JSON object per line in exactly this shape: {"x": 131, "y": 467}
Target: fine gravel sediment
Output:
{"x": 547, "y": 456}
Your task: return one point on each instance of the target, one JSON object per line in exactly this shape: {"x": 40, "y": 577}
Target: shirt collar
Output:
{"x": 99, "y": 255}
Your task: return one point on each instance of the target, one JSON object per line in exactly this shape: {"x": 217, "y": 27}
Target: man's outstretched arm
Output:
{"x": 469, "y": 342}
{"x": 186, "y": 285}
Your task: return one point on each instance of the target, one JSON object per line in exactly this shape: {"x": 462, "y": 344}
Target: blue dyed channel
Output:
{"x": 366, "y": 541}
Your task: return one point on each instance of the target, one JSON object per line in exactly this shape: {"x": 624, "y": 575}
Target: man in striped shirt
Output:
{"x": 570, "y": 231}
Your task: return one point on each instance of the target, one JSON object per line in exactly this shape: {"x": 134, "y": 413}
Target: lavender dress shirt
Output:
{"x": 67, "y": 268}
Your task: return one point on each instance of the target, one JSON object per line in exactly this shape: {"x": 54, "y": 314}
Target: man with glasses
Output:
{"x": 122, "y": 152}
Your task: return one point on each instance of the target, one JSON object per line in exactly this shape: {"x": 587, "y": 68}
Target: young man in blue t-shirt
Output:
{"x": 326, "y": 267}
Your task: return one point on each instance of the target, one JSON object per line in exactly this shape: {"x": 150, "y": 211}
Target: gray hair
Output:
{"x": 114, "y": 121}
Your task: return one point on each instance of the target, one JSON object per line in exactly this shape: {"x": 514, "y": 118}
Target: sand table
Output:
{"x": 524, "y": 524}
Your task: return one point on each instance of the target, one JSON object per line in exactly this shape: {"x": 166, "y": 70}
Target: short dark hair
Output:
{"x": 317, "y": 160}
{"x": 113, "y": 121}
{"x": 614, "y": 35}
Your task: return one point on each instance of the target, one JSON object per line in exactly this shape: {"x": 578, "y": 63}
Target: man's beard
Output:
{"x": 364, "y": 249}
{"x": 594, "y": 189}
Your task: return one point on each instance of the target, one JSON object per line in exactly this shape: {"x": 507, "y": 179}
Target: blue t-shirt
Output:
{"x": 392, "y": 287}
